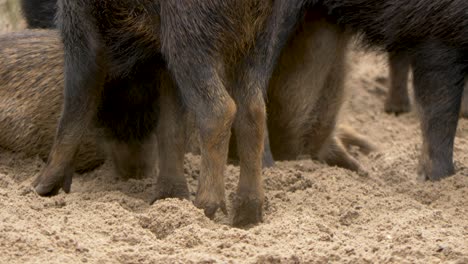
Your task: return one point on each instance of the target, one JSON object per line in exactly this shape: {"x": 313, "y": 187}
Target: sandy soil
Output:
{"x": 314, "y": 213}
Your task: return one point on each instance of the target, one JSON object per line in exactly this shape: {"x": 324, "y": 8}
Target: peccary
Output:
{"x": 434, "y": 36}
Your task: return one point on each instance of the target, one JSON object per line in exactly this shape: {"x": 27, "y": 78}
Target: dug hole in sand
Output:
{"x": 314, "y": 213}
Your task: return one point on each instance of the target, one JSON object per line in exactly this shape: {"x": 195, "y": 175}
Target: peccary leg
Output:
{"x": 267, "y": 160}
{"x": 397, "y": 99}
{"x": 250, "y": 122}
{"x": 171, "y": 134}
{"x": 83, "y": 84}
{"x": 250, "y": 129}
{"x": 204, "y": 94}
{"x": 438, "y": 82}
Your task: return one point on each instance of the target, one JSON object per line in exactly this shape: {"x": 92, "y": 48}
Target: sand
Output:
{"x": 313, "y": 213}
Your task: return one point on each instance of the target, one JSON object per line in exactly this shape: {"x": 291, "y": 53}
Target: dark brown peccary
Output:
{"x": 220, "y": 54}
{"x": 434, "y": 36}
{"x": 31, "y": 94}
{"x": 130, "y": 159}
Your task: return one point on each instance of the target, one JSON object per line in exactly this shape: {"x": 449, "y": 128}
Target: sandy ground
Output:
{"x": 314, "y": 213}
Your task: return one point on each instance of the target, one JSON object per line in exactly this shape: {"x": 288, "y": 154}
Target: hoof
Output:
{"x": 211, "y": 206}
{"x": 435, "y": 173}
{"x": 49, "y": 182}
{"x": 247, "y": 211}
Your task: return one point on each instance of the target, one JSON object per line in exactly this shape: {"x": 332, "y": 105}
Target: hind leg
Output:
{"x": 397, "y": 101}
{"x": 171, "y": 134}
{"x": 438, "y": 84}
{"x": 336, "y": 152}
{"x": 79, "y": 109}
{"x": 83, "y": 84}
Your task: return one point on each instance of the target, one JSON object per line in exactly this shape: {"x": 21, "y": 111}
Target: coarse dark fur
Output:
{"x": 31, "y": 84}
{"x": 221, "y": 76}
{"x": 397, "y": 101}
{"x": 39, "y": 13}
